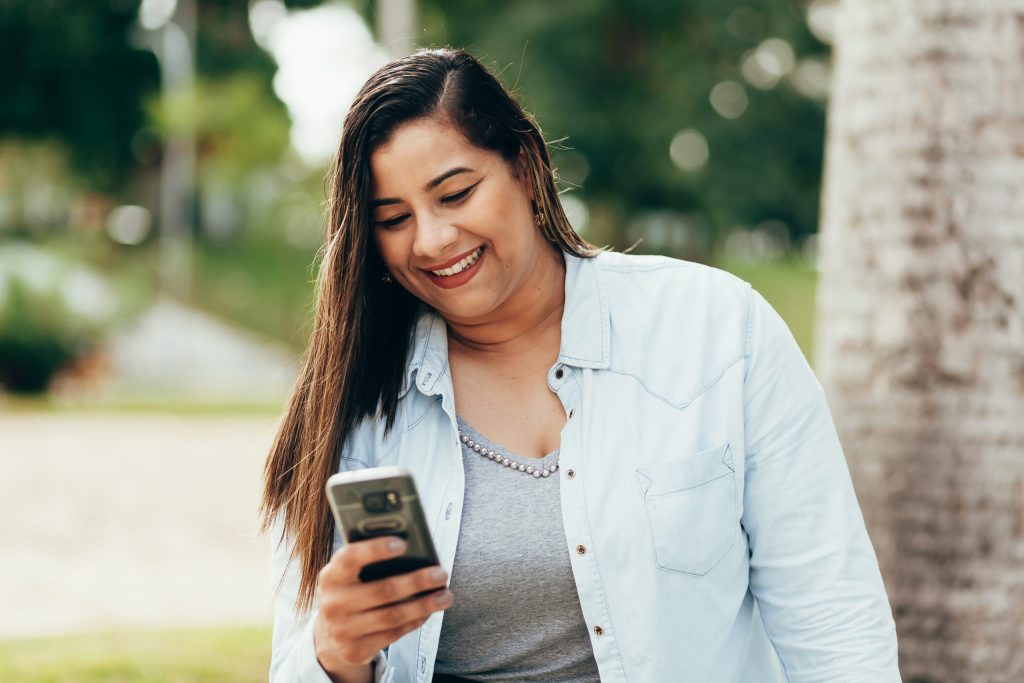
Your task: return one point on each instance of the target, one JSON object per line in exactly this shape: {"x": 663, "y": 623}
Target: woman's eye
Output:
{"x": 458, "y": 196}
{"x": 392, "y": 222}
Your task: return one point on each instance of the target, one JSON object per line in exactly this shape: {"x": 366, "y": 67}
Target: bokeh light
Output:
{"x": 689, "y": 150}
{"x": 729, "y": 99}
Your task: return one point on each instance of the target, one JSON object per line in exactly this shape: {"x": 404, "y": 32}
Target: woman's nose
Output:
{"x": 434, "y": 237}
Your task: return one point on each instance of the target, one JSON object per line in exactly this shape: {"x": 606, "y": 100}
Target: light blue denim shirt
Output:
{"x": 708, "y": 509}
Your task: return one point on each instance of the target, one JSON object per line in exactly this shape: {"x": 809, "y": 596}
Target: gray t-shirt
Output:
{"x": 516, "y": 615}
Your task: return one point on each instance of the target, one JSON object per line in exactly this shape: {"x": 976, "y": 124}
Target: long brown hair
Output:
{"x": 360, "y": 342}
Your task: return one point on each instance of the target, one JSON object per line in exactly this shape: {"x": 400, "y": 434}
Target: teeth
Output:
{"x": 461, "y": 265}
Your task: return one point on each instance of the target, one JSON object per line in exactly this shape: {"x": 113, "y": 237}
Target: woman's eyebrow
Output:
{"x": 429, "y": 186}
{"x": 445, "y": 176}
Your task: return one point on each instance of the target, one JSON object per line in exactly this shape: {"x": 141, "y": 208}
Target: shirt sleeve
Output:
{"x": 293, "y": 655}
{"x": 813, "y": 571}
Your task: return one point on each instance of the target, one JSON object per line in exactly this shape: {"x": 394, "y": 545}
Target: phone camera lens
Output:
{"x": 382, "y": 501}
{"x": 375, "y": 502}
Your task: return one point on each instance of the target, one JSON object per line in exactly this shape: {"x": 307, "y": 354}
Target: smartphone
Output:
{"x": 382, "y": 501}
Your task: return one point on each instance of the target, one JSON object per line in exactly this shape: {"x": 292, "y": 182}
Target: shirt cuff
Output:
{"x": 381, "y": 674}
{"x": 308, "y": 669}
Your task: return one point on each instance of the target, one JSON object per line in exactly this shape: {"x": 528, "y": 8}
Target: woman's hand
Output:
{"x": 357, "y": 619}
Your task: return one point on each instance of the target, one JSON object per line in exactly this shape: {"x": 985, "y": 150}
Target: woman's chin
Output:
{"x": 463, "y": 313}
{"x": 468, "y": 309}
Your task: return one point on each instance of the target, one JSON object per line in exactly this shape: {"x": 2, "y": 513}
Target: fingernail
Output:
{"x": 443, "y": 598}
{"x": 396, "y": 544}
{"x": 438, "y": 575}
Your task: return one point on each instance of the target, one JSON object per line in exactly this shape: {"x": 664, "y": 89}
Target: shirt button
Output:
{"x": 570, "y": 473}
{"x": 571, "y": 413}
{"x": 598, "y": 630}
{"x": 559, "y": 373}
{"x": 581, "y": 550}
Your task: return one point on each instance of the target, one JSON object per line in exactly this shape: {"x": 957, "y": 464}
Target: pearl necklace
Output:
{"x": 537, "y": 472}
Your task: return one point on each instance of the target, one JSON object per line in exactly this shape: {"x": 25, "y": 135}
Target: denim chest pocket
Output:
{"x": 691, "y": 509}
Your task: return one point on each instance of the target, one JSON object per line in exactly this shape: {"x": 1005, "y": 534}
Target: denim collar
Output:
{"x": 586, "y": 329}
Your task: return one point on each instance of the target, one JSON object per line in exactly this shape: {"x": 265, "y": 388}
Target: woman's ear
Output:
{"x": 522, "y": 174}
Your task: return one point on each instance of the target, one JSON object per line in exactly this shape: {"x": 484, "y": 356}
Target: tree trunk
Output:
{"x": 921, "y": 318}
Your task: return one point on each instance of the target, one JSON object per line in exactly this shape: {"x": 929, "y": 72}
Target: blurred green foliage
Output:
{"x": 620, "y": 79}
{"x": 36, "y": 186}
{"x": 70, "y": 74}
{"x": 239, "y": 127}
{"x": 614, "y": 82}
{"x": 34, "y": 341}
{"x": 80, "y": 74}
{"x": 617, "y": 81}
{"x": 52, "y": 312}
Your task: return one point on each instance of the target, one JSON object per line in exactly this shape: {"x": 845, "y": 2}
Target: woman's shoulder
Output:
{"x": 676, "y": 326}
{"x": 662, "y": 280}
{"x": 654, "y": 265}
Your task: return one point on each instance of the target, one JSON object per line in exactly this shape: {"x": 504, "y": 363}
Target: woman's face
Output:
{"x": 453, "y": 223}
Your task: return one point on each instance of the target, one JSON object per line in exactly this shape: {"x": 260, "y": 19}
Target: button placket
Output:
{"x": 589, "y": 582}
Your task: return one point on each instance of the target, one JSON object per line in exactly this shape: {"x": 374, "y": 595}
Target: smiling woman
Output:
{"x": 449, "y": 212}
{"x": 628, "y": 469}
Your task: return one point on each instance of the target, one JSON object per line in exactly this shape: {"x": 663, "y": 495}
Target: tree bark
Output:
{"x": 921, "y": 318}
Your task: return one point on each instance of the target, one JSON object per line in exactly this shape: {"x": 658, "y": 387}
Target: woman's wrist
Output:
{"x": 355, "y": 673}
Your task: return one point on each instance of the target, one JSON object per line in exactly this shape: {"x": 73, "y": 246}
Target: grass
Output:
{"x": 789, "y": 286}
{"x": 267, "y": 288}
{"x": 223, "y": 655}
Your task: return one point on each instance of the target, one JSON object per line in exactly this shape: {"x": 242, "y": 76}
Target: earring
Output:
{"x": 539, "y": 218}
{"x": 386, "y": 279}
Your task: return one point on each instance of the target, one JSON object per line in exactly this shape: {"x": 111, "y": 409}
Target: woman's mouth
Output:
{"x": 459, "y": 273}
{"x": 460, "y": 266}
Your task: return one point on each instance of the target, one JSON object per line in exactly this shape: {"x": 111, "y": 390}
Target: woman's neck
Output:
{"x": 529, "y": 325}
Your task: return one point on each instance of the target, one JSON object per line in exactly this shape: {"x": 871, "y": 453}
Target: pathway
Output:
{"x": 111, "y": 520}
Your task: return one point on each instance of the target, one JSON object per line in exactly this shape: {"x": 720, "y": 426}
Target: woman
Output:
{"x": 629, "y": 469}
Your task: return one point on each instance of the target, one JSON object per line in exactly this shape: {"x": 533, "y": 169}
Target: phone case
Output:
{"x": 382, "y": 501}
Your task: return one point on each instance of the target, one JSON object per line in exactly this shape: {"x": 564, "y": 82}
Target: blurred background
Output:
{"x": 162, "y": 164}
{"x": 161, "y": 182}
